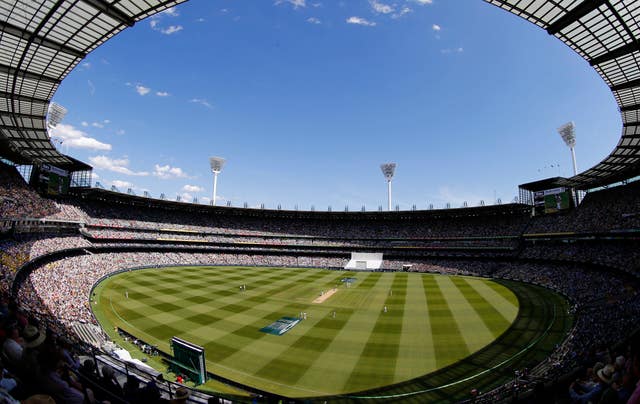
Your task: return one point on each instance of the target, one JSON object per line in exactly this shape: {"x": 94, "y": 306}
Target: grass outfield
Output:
{"x": 432, "y": 321}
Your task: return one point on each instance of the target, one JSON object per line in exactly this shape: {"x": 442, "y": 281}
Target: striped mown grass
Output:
{"x": 431, "y": 322}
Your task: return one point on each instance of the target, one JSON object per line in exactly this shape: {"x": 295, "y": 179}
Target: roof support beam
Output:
{"x": 627, "y": 124}
{"x": 624, "y": 156}
{"x": 627, "y": 108}
{"x": 624, "y": 86}
{"x": 26, "y": 98}
{"x": 11, "y": 127}
{"x": 624, "y": 163}
{"x": 636, "y": 148}
{"x": 616, "y": 53}
{"x": 37, "y": 148}
{"x": 111, "y": 11}
{"x": 574, "y": 15}
{"x": 47, "y": 43}
{"x": 600, "y": 170}
{"x": 26, "y": 74}
{"x": 23, "y": 116}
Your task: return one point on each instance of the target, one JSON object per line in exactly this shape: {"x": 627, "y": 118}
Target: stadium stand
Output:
{"x": 605, "y": 299}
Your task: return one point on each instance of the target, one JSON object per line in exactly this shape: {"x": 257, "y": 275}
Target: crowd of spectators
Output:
{"x": 18, "y": 200}
{"x": 622, "y": 255}
{"x": 606, "y": 210}
{"x": 16, "y": 252}
{"x": 109, "y": 233}
{"x": 509, "y": 223}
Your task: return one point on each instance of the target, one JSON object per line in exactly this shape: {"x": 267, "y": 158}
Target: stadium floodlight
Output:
{"x": 216, "y": 167}
{"x": 568, "y": 134}
{"x": 388, "y": 170}
{"x": 55, "y": 114}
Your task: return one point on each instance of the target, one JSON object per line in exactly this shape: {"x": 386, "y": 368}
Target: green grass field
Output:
{"x": 432, "y": 321}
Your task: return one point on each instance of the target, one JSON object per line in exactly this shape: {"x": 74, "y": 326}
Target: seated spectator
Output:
{"x": 13, "y": 346}
{"x": 6, "y": 381}
{"x": 584, "y": 394}
{"x": 131, "y": 390}
{"x": 109, "y": 381}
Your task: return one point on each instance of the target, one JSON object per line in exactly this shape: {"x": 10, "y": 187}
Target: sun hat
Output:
{"x": 33, "y": 337}
{"x": 606, "y": 373}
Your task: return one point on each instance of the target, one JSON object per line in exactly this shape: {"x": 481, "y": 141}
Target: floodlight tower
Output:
{"x": 388, "y": 170}
{"x": 568, "y": 134}
{"x": 216, "y": 167}
{"x": 55, "y": 114}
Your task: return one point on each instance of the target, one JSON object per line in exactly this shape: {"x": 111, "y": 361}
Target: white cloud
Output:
{"x": 436, "y": 27}
{"x": 154, "y": 23}
{"x": 171, "y": 11}
{"x": 202, "y": 102}
{"x": 86, "y": 65}
{"x": 360, "y": 21}
{"x": 97, "y": 124}
{"x": 192, "y": 188}
{"x": 186, "y": 197}
{"x": 162, "y": 93}
{"x": 167, "y": 172}
{"x": 294, "y": 3}
{"x": 92, "y": 88}
{"x": 84, "y": 123}
{"x": 77, "y": 139}
{"x": 424, "y": 2}
{"x": 381, "y": 7}
{"x": 314, "y": 20}
{"x": 172, "y": 29}
{"x": 403, "y": 11}
{"x": 142, "y": 90}
{"x": 120, "y": 132}
{"x": 121, "y": 184}
{"x": 115, "y": 165}
{"x": 94, "y": 175}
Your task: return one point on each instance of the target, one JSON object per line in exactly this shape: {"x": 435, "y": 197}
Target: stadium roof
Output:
{"x": 547, "y": 183}
{"x": 41, "y": 42}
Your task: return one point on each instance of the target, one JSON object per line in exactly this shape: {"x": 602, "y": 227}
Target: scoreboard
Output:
{"x": 553, "y": 200}
{"x": 51, "y": 180}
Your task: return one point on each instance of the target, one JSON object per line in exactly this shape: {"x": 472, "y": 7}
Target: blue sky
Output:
{"x": 305, "y": 99}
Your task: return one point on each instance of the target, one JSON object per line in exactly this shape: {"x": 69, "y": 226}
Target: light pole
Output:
{"x": 388, "y": 170}
{"x": 216, "y": 167}
{"x": 568, "y": 134}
